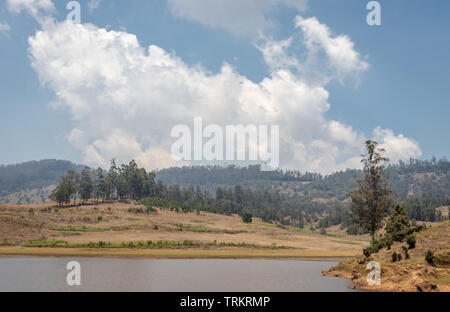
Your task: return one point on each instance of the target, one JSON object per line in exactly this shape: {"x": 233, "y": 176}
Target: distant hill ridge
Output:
{"x": 33, "y": 177}
{"x": 418, "y": 178}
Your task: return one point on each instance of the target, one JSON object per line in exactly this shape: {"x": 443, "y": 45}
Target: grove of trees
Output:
{"x": 119, "y": 183}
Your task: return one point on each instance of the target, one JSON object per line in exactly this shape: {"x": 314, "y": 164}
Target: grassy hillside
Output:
{"x": 413, "y": 274}
{"x": 111, "y": 227}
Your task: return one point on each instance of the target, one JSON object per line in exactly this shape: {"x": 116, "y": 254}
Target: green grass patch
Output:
{"x": 77, "y": 228}
{"x": 134, "y": 219}
{"x": 46, "y": 243}
{"x": 8, "y": 244}
{"x": 203, "y": 229}
{"x": 72, "y": 233}
{"x": 162, "y": 244}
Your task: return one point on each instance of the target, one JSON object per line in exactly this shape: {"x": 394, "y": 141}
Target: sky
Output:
{"x": 116, "y": 84}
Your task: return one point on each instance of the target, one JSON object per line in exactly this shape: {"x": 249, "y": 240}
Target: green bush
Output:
{"x": 247, "y": 217}
{"x": 429, "y": 257}
{"x": 376, "y": 245}
{"x": 411, "y": 241}
{"x": 405, "y": 251}
{"x": 388, "y": 243}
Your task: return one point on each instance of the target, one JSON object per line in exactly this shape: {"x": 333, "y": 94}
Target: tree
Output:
{"x": 111, "y": 181}
{"x": 66, "y": 189}
{"x": 86, "y": 185}
{"x": 398, "y": 224}
{"x": 372, "y": 199}
{"x": 99, "y": 185}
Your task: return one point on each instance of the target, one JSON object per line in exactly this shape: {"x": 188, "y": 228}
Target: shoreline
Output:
{"x": 170, "y": 254}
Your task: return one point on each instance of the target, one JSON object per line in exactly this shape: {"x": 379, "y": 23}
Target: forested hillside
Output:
{"x": 30, "y": 181}
{"x": 288, "y": 197}
{"x": 421, "y": 186}
{"x": 430, "y": 178}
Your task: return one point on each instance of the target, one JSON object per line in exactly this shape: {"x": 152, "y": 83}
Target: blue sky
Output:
{"x": 405, "y": 89}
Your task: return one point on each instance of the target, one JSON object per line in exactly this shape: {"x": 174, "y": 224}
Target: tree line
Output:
{"x": 129, "y": 182}
{"x": 118, "y": 183}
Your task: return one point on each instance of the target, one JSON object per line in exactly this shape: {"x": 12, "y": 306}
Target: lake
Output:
{"x": 49, "y": 274}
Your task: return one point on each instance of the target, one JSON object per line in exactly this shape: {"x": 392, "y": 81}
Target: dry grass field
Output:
{"x": 115, "y": 225}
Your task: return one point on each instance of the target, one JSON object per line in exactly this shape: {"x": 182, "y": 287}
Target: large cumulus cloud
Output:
{"x": 126, "y": 98}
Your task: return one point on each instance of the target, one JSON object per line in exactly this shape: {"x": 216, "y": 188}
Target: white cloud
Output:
{"x": 4, "y": 28}
{"x": 276, "y": 56}
{"x": 93, "y": 5}
{"x": 243, "y": 17}
{"x": 125, "y": 99}
{"x": 324, "y": 57}
{"x": 31, "y": 6}
{"x": 341, "y": 54}
{"x": 39, "y": 9}
{"x": 397, "y": 147}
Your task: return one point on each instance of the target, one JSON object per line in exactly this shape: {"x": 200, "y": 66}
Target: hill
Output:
{"x": 413, "y": 274}
{"x": 416, "y": 178}
{"x": 287, "y": 197}
{"x": 130, "y": 229}
{"x": 31, "y": 182}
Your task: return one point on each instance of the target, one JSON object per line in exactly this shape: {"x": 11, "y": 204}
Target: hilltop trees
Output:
{"x": 372, "y": 199}
{"x": 67, "y": 189}
{"x": 126, "y": 182}
{"x": 99, "y": 184}
{"x": 86, "y": 185}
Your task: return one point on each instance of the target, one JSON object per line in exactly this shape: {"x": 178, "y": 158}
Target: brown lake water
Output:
{"x": 132, "y": 275}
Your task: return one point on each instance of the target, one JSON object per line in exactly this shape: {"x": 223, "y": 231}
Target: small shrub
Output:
{"x": 247, "y": 217}
{"x": 429, "y": 257}
{"x": 99, "y": 218}
{"x": 388, "y": 243}
{"x": 367, "y": 252}
{"x": 394, "y": 257}
{"x": 405, "y": 251}
{"x": 411, "y": 241}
